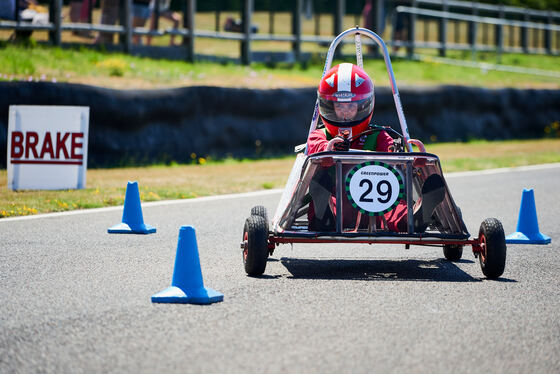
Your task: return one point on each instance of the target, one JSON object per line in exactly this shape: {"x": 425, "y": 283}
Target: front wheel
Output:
{"x": 492, "y": 241}
{"x": 453, "y": 252}
{"x": 260, "y": 210}
{"x": 255, "y": 245}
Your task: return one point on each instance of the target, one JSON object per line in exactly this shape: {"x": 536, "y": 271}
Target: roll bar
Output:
{"x": 358, "y": 31}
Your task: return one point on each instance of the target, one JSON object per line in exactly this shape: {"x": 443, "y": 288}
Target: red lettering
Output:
{"x": 27, "y": 144}
{"x": 17, "y": 144}
{"x": 47, "y": 146}
{"x": 31, "y": 141}
{"x": 61, "y": 144}
{"x": 75, "y": 145}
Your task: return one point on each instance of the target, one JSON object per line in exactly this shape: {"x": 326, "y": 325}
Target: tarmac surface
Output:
{"x": 75, "y": 299}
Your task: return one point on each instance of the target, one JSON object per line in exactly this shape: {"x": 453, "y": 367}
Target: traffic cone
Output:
{"x": 527, "y": 231}
{"x": 187, "y": 285}
{"x": 132, "y": 219}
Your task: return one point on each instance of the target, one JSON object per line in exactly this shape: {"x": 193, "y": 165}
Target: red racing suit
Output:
{"x": 378, "y": 141}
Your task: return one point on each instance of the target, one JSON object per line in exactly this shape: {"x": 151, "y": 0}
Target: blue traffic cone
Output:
{"x": 132, "y": 219}
{"x": 527, "y": 231}
{"x": 187, "y": 285}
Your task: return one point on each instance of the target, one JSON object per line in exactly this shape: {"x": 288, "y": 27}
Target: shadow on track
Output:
{"x": 438, "y": 270}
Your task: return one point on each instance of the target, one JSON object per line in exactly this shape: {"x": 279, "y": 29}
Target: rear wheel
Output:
{"x": 255, "y": 250}
{"x": 453, "y": 252}
{"x": 492, "y": 241}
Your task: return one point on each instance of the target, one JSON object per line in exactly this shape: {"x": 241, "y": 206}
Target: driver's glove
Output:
{"x": 342, "y": 146}
{"x": 338, "y": 144}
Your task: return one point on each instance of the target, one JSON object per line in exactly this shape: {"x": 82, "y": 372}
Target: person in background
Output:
{"x": 141, "y": 12}
{"x": 109, "y": 16}
{"x": 402, "y": 23}
{"x": 167, "y": 13}
{"x": 79, "y": 13}
{"x": 8, "y": 9}
{"x": 29, "y": 11}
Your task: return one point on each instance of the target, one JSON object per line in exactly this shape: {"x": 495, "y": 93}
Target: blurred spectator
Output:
{"x": 8, "y": 9}
{"x": 79, "y": 12}
{"x": 369, "y": 13}
{"x": 401, "y": 20}
{"x": 87, "y": 6}
{"x": 75, "y": 10}
{"x": 402, "y": 23}
{"x": 109, "y": 16}
{"x": 29, "y": 11}
{"x": 141, "y": 11}
{"x": 167, "y": 13}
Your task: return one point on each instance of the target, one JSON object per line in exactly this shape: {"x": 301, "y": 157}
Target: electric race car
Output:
{"x": 362, "y": 188}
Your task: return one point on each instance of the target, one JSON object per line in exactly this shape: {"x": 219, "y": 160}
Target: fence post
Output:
{"x": 472, "y": 25}
{"x": 525, "y": 35}
{"x": 188, "y": 23}
{"x": 56, "y": 19}
{"x": 217, "y": 15}
{"x": 557, "y": 42}
{"x": 548, "y": 35}
{"x": 246, "y": 23}
{"x": 339, "y": 16}
{"x": 411, "y": 31}
{"x": 443, "y": 30}
{"x": 271, "y": 7}
{"x": 317, "y": 16}
{"x": 378, "y": 15}
{"x": 90, "y": 11}
{"x": 377, "y": 24}
{"x": 296, "y": 29}
{"x": 473, "y": 31}
{"x": 156, "y": 16}
{"x": 499, "y": 36}
{"x": 126, "y": 22}
{"x": 16, "y": 11}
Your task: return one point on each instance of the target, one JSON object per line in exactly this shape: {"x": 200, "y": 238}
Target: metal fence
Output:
{"x": 481, "y": 20}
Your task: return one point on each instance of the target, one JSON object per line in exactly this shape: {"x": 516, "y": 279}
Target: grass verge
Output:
{"x": 106, "y": 187}
{"x": 121, "y": 71}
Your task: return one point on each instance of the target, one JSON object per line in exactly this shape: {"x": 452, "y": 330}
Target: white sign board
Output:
{"x": 374, "y": 188}
{"x": 47, "y": 147}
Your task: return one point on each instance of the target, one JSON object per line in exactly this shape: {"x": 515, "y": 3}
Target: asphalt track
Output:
{"x": 75, "y": 299}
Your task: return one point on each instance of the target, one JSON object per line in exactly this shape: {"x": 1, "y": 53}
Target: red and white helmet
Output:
{"x": 346, "y": 99}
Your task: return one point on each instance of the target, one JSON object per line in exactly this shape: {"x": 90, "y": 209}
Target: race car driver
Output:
{"x": 346, "y": 102}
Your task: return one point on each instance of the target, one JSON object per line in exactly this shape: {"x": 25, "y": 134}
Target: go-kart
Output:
{"x": 365, "y": 186}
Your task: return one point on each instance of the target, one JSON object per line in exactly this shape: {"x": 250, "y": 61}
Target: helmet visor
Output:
{"x": 345, "y": 113}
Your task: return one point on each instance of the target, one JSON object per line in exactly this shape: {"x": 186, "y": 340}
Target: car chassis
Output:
{"x": 387, "y": 178}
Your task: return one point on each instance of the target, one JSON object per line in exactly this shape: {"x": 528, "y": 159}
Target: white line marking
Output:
{"x": 460, "y": 174}
{"x": 262, "y": 193}
{"x": 145, "y": 205}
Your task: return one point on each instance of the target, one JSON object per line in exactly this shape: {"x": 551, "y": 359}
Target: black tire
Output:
{"x": 259, "y": 210}
{"x": 255, "y": 253}
{"x": 493, "y": 243}
{"x": 453, "y": 252}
